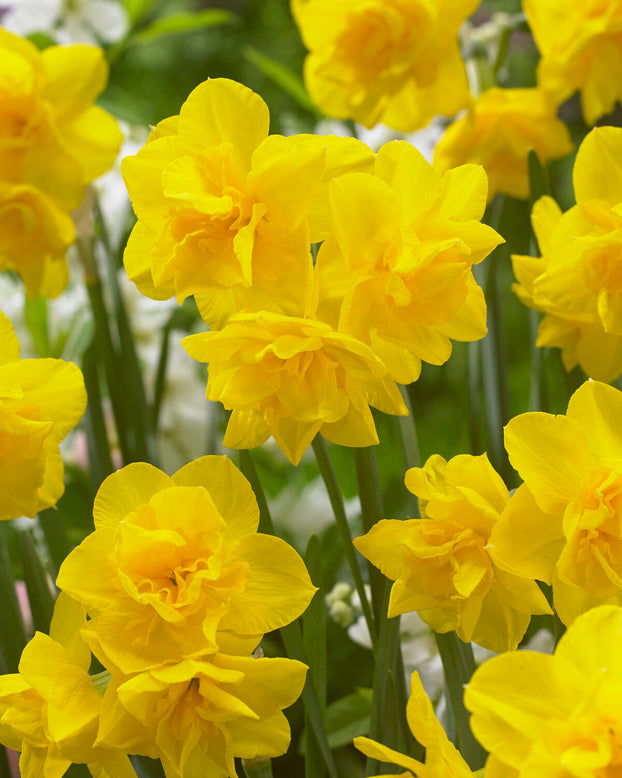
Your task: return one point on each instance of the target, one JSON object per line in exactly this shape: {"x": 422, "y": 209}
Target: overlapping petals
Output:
{"x": 555, "y": 715}
{"x": 222, "y": 207}
{"x": 576, "y": 282}
{"x": 396, "y": 274}
{"x": 498, "y": 131}
{"x": 41, "y": 400}
{"x": 395, "y": 61}
{"x": 49, "y": 711}
{"x": 581, "y": 49}
{"x": 564, "y": 525}
{"x": 53, "y": 142}
{"x": 292, "y": 378}
{"x": 174, "y": 560}
{"x": 198, "y": 715}
{"x": 440, "y": 563}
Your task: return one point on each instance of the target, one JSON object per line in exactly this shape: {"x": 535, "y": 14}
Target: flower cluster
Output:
{"x": 179, "y": 588}
{"x": 227, "y": 213}
{"x": 53, "y": 142}
{"x": 576, "y": 282}
{"x": 41, "y": 400}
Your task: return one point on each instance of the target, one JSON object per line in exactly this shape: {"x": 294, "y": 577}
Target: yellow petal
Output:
{"x": 124, "y": 491}
{"x": 597, "y": 172}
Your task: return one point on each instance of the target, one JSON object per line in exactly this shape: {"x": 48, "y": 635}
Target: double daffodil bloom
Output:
{"x": 441, "y": 563}
{"x": 49, "y": 711}
{"x": 576, "y": 282}
{"x": 396, "y": 273}
{"x": 391, "y": 61}
{"x": 54, "y": 141}
{"x": 41, "y": 400}
{"x": 173, "y": 561}
{"x": 222, "y": 207}
{"x": 556, "y": 716}
{"x": 292, "y": 378}
{"x": 198, "y": 715}
{"x": 499, "y": 129}
{"x": 581, "y": 48}
{"x": 564, "y": 524}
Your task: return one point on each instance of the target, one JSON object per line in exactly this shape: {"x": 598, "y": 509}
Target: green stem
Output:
{"x": 334, "y": 493}
{"x": 100, "y": 460}
{"x": 459, "y": 666}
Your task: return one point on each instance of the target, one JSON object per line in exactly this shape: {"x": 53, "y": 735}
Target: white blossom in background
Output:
{"x": 67, "y": 21}
{"x": 298, "y": 513}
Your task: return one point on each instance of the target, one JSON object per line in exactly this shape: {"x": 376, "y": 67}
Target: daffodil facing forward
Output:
{"x": 222, "y": 207}
{"x": 564, "y": 524}
{"x": 576, "y": 282}
{"x": 292, "y": 378}
{"x": 198, "y": 715}
{"x": 391, "y": 61}
{"x": 441, "y": 564}
{"x": 173, "y": 561}
{"x": 41, "y": 400}
{"x": 556, "y": 716}
{"x": 397, "y": 271}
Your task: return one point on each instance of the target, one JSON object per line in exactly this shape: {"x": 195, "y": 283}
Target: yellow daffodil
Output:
{"x": 576, "y": 282}
{"x": 174, "y": 560}
{"x": 391, "y": 61}
{"x": 581, "y": 48}
{"x": 53, "y": 142}
{"x": 396, "y": 273}
{"x": 440, "y": 563}
{"x": 442, "y": 760}
{"x": 40, "y": 401}
{"x": 292, "y": 378}
{"x": 564, "y": 524}
{"x": 49, "y": 711}
{"x": 34, "y": 237}
{"x": 222, "y": 207}
{"x": 198, "y": 715}
{"x": 557, "y": 716}
{"x": 498, "y": 131}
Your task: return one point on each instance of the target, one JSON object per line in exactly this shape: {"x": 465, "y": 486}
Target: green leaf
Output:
{"x": 349, "y": 717}
{"x": 539, "y": 183}
{"x": 177, "y": 24}
{"x": 282, "y": 77}
{"x": 12, "y": 631}
{"x": 38, "y": 583}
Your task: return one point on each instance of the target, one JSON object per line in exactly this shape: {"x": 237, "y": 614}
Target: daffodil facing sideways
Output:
{"x": 442, "y": 759}
{"x": 198, "y": 715}
{"x": 175, "y": 561}
{"x": 396, "y": 272}
{"x": 563, "y": 526}
{"x": 41, "y": 400}
{"x": 441, "y": 564}
{"x": 580, "y": 44}
{"x": 292, "y": 378}
{"x": 556, "y": 715}
{"x": 499, "y": 129}
{"x": 391, "y": 61}
{"x": 223, "y": 207}
{"x": 54, "y": 141}
{"x": 49, "y": 711}
{"x": 577, "y": 282}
